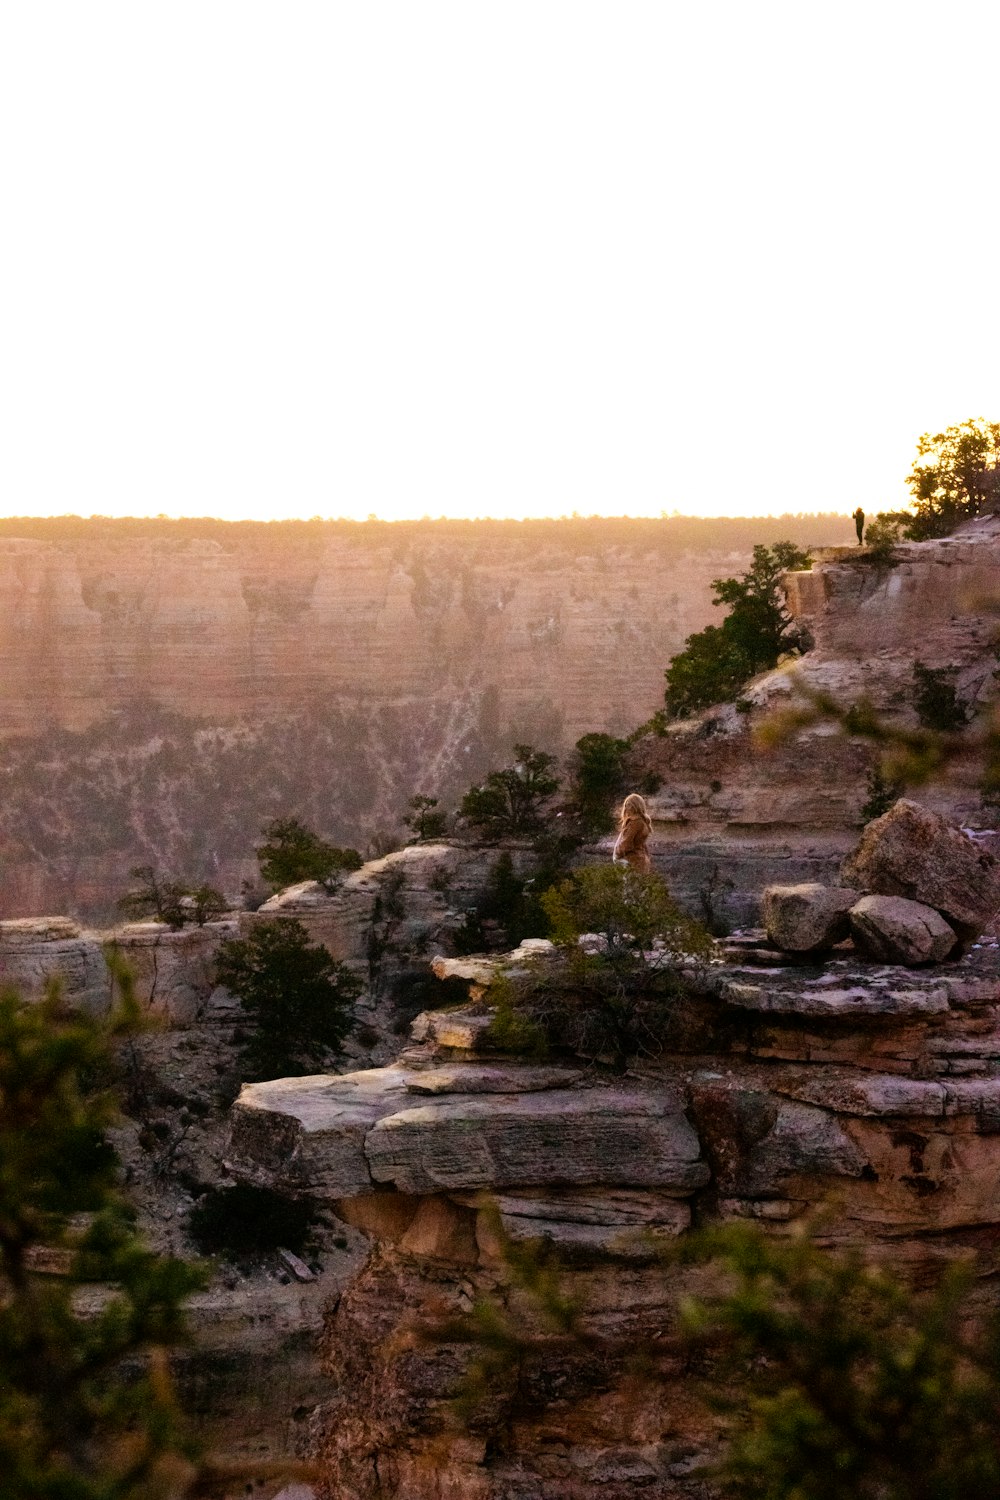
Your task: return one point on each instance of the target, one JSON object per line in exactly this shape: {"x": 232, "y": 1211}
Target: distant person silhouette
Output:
{"x": 633, "y": 835}
{"x": 859, "y": 524}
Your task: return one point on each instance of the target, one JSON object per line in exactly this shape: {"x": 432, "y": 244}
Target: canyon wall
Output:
{"x": 850, "y": 1100}
{"x": 732, "y": 815}
{"x": 165, "y": 687}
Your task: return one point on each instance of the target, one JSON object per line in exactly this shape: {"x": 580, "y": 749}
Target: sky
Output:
{"x": 408, "y": 257}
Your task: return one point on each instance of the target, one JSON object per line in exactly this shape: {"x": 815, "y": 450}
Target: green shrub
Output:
{"x": 206, "y": 903}
{"x": 510, "y": 908}
{"x": 936, "y": 700}
{"x": 299, "y": 997}
{"x": 291, "y": 853}
{"x": 87, "y": 1408}
{"x": 881, "y": 539}
{"x": 515, "y": 801}
{"x": 424, "y": 821}
{"x": 170, "y": 901}
{"x": 597, "y": 778}
{"x": 851, "y": 1386}
{"x": 824, "y": 1376}
{"x": 512, "y": 1029}
{"x": 883, "y": 792}
{"x": 621, "y": 994}
{"x": 952, "y": 475}
{"x": 717, "y": 662}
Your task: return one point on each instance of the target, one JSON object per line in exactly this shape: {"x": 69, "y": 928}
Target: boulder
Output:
{"x": 807, "y": 918}
{"x": 894, "y": 930}
{"x": 914, "y": 853}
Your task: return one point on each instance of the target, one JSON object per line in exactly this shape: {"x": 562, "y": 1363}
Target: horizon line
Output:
{"x": 373, "y": 519}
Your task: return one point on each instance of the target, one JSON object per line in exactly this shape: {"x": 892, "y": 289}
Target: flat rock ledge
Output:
{"x": 846, "y": 989}
{"x": 384, "y": 1130}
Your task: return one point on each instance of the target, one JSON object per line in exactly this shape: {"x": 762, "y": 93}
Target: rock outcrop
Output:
{"x": 728, "y": 821}
{"x": 367, "y": 1132}
{"x": 173, "y": 971}
{"x": 896, "y": 931}
{"x": 865, "y": 1094}
{"x": 906, "y": 850}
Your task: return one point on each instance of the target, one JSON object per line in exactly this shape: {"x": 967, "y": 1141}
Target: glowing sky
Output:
{"x": 508, "y": 257}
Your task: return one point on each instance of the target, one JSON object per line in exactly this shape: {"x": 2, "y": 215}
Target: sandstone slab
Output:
{"x": 866, "y": 1094}
{"x": 308, "y": 1134}
{"x": 463, "y": 1030}
{"x": 487, "y": 1078}
{"x": 610, "y": 1222}
{"x": 846, "y": 1000}
{"x": 561, "y": 1137}
{"x": 914, "y": 853}
{"x": 359, "y": 1133}
{"x": 807, "y": 918}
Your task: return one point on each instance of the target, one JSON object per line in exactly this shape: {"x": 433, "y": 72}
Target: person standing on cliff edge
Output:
{"x": 633, "y": 835}
{"x": 859, "y": 524}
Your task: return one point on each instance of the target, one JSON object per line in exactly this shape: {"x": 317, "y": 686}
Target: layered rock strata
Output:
{"x": 861, "y": 1099}
{"x": 173, "y": 971}
{"x": 729, "y": 820}
{"x": 166, "y": 689}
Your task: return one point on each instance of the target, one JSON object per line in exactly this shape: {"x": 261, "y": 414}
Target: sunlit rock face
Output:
{"x": 730, "y": 819}
{"x": 163, "y": 694}
{"x": 213, "y": 630}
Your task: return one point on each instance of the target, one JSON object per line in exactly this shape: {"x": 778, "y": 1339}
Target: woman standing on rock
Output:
{"x": 633, "y": 835}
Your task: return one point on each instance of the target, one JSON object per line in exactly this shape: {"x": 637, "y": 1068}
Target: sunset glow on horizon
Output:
{"x": 453, "y": 260}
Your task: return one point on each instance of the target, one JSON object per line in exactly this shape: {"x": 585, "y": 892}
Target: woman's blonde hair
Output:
{"x": 634, "y": 806}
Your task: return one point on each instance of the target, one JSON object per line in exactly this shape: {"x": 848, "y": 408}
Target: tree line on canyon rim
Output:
{"x": 854, "y": 1387}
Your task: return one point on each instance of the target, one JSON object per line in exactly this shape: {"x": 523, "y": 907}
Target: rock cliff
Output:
{"x": 165, "y": 687}
{"x": 856, "y": 1090}
{"x": 729, "y": 820}
{"x": 858, "y": 1100}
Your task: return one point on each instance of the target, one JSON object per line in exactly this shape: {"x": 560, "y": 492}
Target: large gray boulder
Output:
{"x": 897, "y": 931}
{"x": 914, "y": 853}
{"x": 807, "y": 918}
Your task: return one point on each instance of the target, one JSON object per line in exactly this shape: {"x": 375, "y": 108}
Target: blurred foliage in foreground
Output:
{"x": 823, "y": 1376}
{"x": 87, "y": 1407}
{"x": 850, "y": 1386}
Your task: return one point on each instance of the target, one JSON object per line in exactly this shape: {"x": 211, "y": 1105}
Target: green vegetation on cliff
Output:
{"x": 720, "y": 660}
{"x": 954, "y": 475}
{"x": 298, "y": 997}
